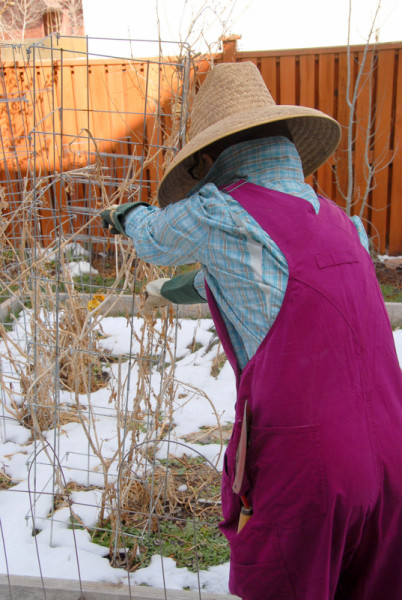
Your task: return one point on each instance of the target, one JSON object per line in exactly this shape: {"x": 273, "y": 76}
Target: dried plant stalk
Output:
{"x": 53, "y": 349}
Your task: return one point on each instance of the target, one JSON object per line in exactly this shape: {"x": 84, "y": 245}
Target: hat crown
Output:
{"x": 228, "y": 89}
{"x": 235, "y": 100}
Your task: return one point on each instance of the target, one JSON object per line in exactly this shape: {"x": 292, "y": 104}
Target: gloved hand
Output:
{"x": 154, "y": 298}
{"x": 114, "y": 216}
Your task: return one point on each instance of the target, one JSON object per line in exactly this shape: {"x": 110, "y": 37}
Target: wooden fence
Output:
{"x": 318, "y": 78}
{"x": 70, "y": 105}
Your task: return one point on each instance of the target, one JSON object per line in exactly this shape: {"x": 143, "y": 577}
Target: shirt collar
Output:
{"x": 265, "y": 161}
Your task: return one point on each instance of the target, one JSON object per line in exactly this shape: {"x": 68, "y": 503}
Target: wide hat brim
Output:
{"x": 315, "y": 134}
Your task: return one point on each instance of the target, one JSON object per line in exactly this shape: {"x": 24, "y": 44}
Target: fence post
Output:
{"x": 229, "y": 47}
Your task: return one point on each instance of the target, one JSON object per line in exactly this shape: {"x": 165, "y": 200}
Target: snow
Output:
{"x": 398, "y": 344}
{"x": 384, "y": 257}
{"x": 81, "y": 267}
{"x": 200, "y": 400}
{"x": 57, "y": 549}
{"x": 163, "y": 571}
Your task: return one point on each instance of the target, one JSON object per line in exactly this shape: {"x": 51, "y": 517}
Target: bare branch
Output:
{"x": 18, "y": 16}
{"x": 362, "y": 130}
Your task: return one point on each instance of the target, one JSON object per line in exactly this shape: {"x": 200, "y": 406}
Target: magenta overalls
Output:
{"x": 323, "y": 469}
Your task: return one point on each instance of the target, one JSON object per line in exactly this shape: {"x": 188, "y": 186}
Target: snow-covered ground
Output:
{"x": 57, "y": 550}
{"x": 398, "y": 344}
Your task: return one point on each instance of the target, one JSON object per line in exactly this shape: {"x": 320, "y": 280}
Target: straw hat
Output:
{"x": 232, "y": 99}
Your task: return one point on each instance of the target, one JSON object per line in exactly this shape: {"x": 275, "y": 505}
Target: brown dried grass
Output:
{"x": 183, "y": 488}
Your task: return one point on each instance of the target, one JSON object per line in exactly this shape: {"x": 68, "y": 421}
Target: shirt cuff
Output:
{"x": 130, "y": 222}
{"x": 181, "y": 290}
{"x": 199, "y": 284}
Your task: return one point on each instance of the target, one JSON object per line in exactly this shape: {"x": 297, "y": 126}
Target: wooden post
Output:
{"x": 19, "y": 588}
{"x": 229, "y": 47}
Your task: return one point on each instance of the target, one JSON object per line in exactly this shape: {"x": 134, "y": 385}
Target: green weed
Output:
{"x": 391, "y": 293}
{"x": 189, "y": 543}
{"x": 194, "y": 346}
{"x": 217, "y": 364}
{"x": 5, "y": 481}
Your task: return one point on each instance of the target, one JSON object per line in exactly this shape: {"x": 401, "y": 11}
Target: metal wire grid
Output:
{"x": 54, "y": 176}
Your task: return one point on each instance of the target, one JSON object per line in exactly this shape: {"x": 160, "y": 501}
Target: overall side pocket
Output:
{"x": 287, "y": 471}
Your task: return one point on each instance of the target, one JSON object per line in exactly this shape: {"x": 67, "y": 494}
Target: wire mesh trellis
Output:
{"x": 94, "y": 416}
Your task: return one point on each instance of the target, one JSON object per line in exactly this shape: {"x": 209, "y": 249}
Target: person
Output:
{"x": 312, "y": 477}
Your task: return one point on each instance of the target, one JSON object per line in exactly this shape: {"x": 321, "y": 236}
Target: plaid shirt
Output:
{"x": 245, "y": 270}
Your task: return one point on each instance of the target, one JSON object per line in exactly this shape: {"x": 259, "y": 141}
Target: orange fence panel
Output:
{"x": 380, "y": 204}
{"x": 269, "y": 71}
{"x": 395, "y": 220}
{"x": 326, "y": 103}
{"x": 287, "y": 80}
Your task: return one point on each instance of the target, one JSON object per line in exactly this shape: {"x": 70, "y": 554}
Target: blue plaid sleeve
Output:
{"x": 166, "y": 237}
